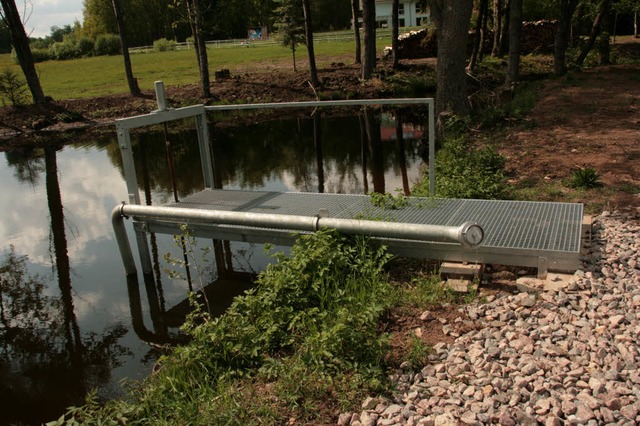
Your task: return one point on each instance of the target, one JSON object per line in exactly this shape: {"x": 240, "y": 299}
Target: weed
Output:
{"x": 194, "y": 257}
{"x": 429, "y": 291}
{"x": 417, "y": 352}
{"x": 388, "y": 201}
{"x": 585, "y": 178}
{"x": 68, "y": 117}
{"x": 630, "y": 188}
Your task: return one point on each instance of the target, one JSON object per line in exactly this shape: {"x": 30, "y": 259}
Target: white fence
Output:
{"x": 337, "y": 36}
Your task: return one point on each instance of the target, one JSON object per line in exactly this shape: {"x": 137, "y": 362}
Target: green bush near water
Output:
{"x": 465, "y": 171}
{"x": 305, "y": 337}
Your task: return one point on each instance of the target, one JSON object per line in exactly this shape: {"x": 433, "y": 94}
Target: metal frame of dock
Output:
{"x": 543, "y": 235}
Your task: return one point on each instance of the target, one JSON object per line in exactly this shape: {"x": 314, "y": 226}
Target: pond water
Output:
{"x": 70, "y": 322}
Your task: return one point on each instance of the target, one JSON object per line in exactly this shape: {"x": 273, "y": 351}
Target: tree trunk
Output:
{"x": 497, "y": 27}
{"x": 478, "y": 37}
{"x": 308, "y": 32}
{"x": 134, "y": 89}
{"x": 504, "y": 35}
{"x": 201, "y": 46}
{"x": 20, "y": 43}
{"x": 635, "y": 24}
{"x": 595, "y": 31}
{"x": 515, "y": 31}
{"x": 395, "y": 32}
{"x": 567, "y": 7}
{"x": 452, "y": 22}
{"x": 485, "y": 28}
{"x": 355, "y": 9}
{"x": 293, "y": 54}
{"x": 575, "y": 23}
{"x": 369, "y": 23}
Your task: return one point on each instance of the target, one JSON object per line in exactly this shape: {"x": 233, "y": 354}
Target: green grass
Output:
{"x": 104, "y": 75}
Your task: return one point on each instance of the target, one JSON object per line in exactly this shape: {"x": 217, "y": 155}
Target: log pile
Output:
{"x": 418, "y": 44}
{"x": 537, "y": 37}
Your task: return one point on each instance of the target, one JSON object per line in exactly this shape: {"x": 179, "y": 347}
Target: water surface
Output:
{"x": 70, "y": 321}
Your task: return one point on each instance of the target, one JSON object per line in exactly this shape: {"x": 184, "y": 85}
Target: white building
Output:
{"x": 411, "y": 13}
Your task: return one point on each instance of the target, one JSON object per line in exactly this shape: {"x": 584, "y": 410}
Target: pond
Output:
{"x": 70, "y": 322}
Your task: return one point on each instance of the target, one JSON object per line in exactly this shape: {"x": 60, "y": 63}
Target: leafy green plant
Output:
{"x": 585, "y": 178}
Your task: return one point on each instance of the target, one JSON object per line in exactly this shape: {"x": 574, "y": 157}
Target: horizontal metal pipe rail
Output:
{"x": 468, "y": 234}
{"x": 337, "y": 103}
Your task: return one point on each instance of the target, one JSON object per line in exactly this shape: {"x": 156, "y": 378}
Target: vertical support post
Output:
{"x": 543, "y": 268}
{"x": 161, "y": 96}
{"x": 143, "y": 247}
{"x": 126, "y": 150}
{"x": 432, "y": 149}
{"x": 206, "y": 156}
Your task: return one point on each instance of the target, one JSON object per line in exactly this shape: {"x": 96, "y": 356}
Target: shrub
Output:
{"x": 41, "y": 55}
{"x": 108, "y": 44}
{"x": 464, "y": 170}
{"x": 62, "y": 50}
{"x": 164, "y": 45}
{"x": 13, "y": 89}
{"x": 84, "y": 47}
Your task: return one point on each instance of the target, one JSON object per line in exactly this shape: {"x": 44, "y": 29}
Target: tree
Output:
{"x": 355, "y": 17}
{"x": 134, "y": 89}
{"x": 451, "y": 18}
{"x": 504, "y": 35}
{"x": 98, "y": 18}
{"x": 20, "y": 43}
{"x": 5, "y": 37}
{"x": 308, "y": 31}
{"x": 515, "y": 31}
{"x": 497, "y": 26}
{"x": 567, "y": 8}
{"x": 478, "y": 39}
{"x": 369, "y": 25}
{"x": 290, "y": 25}
{"x": 395, "y": 6}
{"x": 194, "y": 8}
{"x": 603, "y": 9}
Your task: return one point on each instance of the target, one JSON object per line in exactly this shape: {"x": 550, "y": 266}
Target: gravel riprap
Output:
{"x": 568, "y": 357}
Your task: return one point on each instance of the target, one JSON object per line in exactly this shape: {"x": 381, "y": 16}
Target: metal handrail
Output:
{"x": 377, "y": 229}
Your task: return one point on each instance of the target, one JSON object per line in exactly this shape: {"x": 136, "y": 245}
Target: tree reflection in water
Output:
{"x": 46, "y": 363}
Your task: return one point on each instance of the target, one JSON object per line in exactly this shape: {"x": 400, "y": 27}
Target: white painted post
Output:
{"x": 161, "y": 97}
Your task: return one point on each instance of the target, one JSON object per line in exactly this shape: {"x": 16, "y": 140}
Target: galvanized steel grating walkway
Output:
{"x": 512, "y": 228}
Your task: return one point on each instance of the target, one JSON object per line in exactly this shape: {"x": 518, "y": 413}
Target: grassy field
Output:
{"x": 104, "y": 75}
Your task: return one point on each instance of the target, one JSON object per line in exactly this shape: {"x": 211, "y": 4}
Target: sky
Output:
{"x": 47, "y": 13}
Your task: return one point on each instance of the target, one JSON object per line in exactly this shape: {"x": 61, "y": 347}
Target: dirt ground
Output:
{"x": 587, "y": 119}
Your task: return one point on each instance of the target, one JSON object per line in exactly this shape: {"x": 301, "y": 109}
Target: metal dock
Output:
{"x": 530, "y": 234}
{"x": 542, "y": 235}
